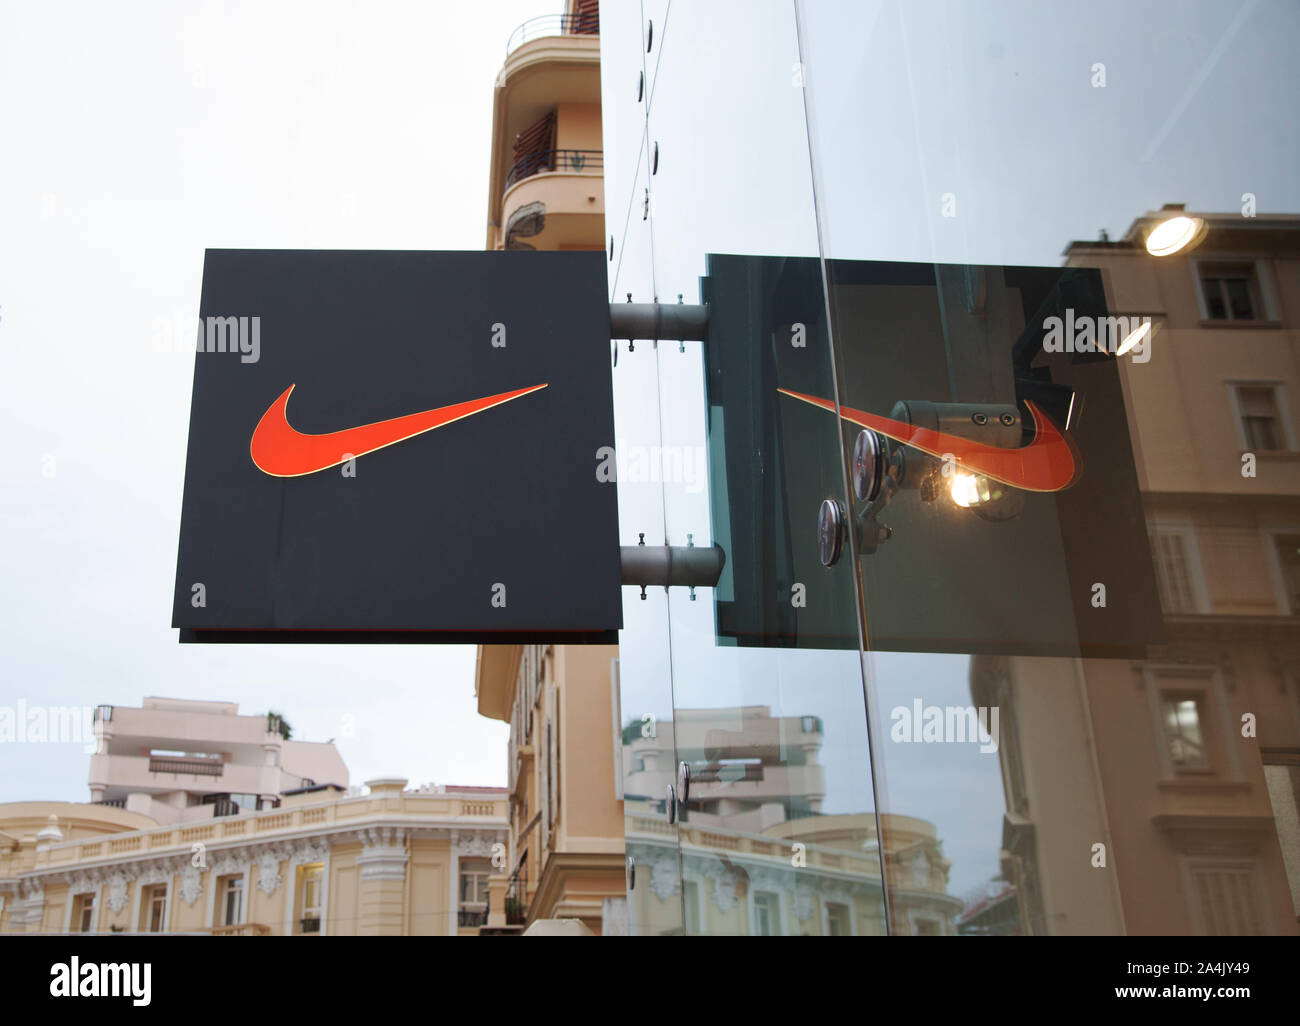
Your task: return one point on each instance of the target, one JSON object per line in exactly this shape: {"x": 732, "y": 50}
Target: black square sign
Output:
{"x": 399, "y": 446}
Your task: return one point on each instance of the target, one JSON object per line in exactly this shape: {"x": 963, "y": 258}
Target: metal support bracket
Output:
{"x": 654, "y": 321}
{"x": 669, "y": 566}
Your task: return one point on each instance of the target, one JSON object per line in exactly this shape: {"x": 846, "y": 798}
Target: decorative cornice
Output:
{"x": 117, "y": 891}
{"x": 383, "y": 853}
{"x": 298, "y": 849}
{"x": 191, "y": 884}
{"x": 476, "y": 842}
{"x": 268, "y": 869}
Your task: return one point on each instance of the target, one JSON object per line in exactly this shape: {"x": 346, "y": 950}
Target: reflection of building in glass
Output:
{"x": 992, "y": 910}
{"x": 757, "y": 855}
{"x": 1183, "y": 766}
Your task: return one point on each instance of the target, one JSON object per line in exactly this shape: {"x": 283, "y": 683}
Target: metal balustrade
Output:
{"x": 584, "y": 23}
{"x": 574, "y": 162}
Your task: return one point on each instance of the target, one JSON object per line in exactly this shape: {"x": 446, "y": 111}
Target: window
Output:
{"x": 837, "y": 919}
{"x": 230, "y": 890}
{"x": 1183, "y": 717}
{"x": 767, "y": 914}
{"x": 1231, "y": 292}
{"x": 1178, "y": 571}
{"x": 83, "y": 913}
{"x": 313, "y": 877}
{"x": 153, "y": 908}
{"x": 1288, "y": 558}
{"x": 1192, "y": 726}
{"x": 691, "y": 906}
{"x": 473, "y": 882}
{"x": 1261, "y": 424}
{"x": 1225, "y": 898}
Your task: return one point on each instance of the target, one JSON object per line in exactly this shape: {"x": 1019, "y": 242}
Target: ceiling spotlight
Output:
{"x": 969, "y": 490}
{"x": 1177, "y": 233}
{"x": 1134, "y": 338}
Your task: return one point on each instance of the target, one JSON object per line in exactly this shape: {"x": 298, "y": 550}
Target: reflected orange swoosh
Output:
{"x": 282, "y": 451}
{"x": 1047, "y": 464}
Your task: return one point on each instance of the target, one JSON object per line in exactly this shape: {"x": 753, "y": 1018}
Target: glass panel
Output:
{"x": 1022, "y": 336}
{"x": 769, "y": 710}
{"x": 647, "y": 754}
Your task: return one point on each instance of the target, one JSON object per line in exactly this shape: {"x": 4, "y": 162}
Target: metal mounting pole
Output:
{"x": 654, "y": 321}
{"x": 682, "y": 566}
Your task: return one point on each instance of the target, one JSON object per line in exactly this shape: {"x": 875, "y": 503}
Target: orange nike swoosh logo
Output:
{"x": 282, "y": 451}
{"x": 1047, "y": 464}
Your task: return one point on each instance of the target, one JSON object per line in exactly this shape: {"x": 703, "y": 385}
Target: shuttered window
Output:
{"x": 1227, "y": 895}
{"x": 1172, "y": 549}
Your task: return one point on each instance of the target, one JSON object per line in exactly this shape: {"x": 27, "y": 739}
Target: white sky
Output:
{"x": 132, "y": 137}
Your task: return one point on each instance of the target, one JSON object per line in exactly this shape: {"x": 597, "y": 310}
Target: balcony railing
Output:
{"x": 242, "y": 930}
{"x": 574, "y": 162}
{"x": 201, "y": 767}
{"x": 517, "y": 897}
{"x": 472, "y": 917}
{"x": 116, "y": 803}
{"x": 586, "y": 23}
{"x": 311, "y": 924}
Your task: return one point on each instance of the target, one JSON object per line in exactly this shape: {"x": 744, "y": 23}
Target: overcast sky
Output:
{"x": 132, "y": 137}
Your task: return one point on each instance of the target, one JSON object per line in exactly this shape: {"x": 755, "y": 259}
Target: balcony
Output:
{"x": 204, "y": 767}
{"x": 309, "y": 924}
{"x": 517, "y": 897}
{"x": 242, "y": 930}
{"x": 554, "y": 199}
{"x": 120, "y": 775}
{"x": 586, "y": 22}
{"x": 574, "y": 162}
{"x": 225, "y": 807}
{"x": 470, "y": 917}
{"x": 552, "y": 67}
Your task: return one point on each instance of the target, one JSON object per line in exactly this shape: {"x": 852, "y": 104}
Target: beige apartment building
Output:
{"x": 565, "y": 849}
{"x": 152, "y": 855}
{"x": 1185, "y": 766}
{"x": 546, "y": 185}
{"x": 177, "y": 760}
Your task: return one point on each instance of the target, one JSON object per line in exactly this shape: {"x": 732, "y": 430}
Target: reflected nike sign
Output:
{"x": 1049, "y": 463}
{"x": 280, "y": 450}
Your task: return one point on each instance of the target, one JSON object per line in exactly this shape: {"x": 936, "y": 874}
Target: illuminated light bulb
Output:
{"x": 1131, "y": 340}
{"x": 1170, "y": 236}
{"x": 969, "y": 490}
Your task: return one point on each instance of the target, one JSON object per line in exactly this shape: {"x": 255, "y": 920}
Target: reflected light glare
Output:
{"x": 969, "y": 490}
{"x": 1131, "y": 340}
{"x": 1172, "y": 235}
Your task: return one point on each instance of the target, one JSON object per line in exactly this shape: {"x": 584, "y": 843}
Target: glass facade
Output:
{"x": 995, "y": 425}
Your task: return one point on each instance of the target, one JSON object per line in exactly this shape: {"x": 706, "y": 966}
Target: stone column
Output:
{"x": 382, "y": 892}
